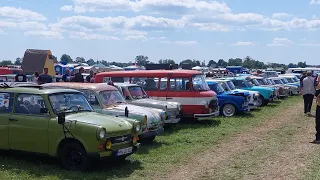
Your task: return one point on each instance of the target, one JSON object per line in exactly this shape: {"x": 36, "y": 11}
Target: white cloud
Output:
{"x": 180, "y": 42}
{"x": 243, "y": 43}
{"x": 211, "y": 27}
{"x": 314, "y": 2}
{"x": 280, "y": 42}
{"x": 20, "y": 14}
{"x": 178, "y": 6}
{"x": 2, "y": 32}
{"x": 85, "y": 36}
{"x": 27, "y": 25}
{"x": 66, "y": 8}
{"x": 281, "y": 15}
{"x": 310, "y": 44}
{"x": 44, "y": 34}
{"x": 137, "y": 37}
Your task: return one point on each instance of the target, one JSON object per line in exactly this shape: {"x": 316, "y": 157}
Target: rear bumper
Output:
{"x": 203, "y": 116}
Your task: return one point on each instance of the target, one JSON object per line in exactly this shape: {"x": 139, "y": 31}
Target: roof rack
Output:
{"x": 19, "y": 84}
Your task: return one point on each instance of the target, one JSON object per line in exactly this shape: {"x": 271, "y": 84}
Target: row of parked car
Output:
{"x": 78, "y": 122}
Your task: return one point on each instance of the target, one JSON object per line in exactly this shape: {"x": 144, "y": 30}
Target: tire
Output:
{"x": 228, "y": 110}
{"x": 74, "y": 157}
{"x": 265, "y": 102}
{"x": 260, "y": 101}
{"x": 147, "y": 140}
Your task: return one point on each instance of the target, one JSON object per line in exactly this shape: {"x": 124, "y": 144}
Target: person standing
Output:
{"x": 78, "y": 77}
{"x": 45, "y": 77}
{"x": 36, "y": 77}
{"x": 317, "y": 94}
{"x": 308, "y": 90}
{"x": 67, "y": 76}
{"x": 90, "y": 78}
{"x": 20, "y": 77}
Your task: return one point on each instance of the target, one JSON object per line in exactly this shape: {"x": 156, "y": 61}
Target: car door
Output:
{"x": 28, "y": 125}
{"x": 6, "y": 104}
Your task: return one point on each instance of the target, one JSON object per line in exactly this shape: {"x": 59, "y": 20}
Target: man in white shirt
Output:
{"x": 308, "y": 90}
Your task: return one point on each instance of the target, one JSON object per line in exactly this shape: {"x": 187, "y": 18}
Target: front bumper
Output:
{"x": 172, "y": 121}
{"x": 112, "y": 153}
{"x": 204, "y": 116}
{"x": 151, "y": 133}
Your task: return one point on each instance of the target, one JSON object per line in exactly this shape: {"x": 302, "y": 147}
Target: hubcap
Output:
{"x": 74, "y": 158}
{"x": 228, "y": 110}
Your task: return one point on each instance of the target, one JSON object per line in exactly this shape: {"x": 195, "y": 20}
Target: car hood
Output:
{"x": 242, "y": 90}
{"x": 234, "y": 92}
{"x": 152, "y": 114}
{"x": 110, "y": 123}
{"x": 147, "y": 102}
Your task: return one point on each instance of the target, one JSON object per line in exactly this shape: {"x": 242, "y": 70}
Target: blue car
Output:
{"x": 230, "y": 102}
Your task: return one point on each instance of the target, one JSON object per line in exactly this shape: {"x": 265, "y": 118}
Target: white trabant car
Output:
{"x": 107, "y": 99}
{"x": 135, "y": 94}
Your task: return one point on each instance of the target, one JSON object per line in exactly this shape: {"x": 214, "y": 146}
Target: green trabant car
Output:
{"x": 61, "y": 123}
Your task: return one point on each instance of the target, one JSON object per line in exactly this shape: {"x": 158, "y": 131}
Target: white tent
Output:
{"x": 197, "y": 68}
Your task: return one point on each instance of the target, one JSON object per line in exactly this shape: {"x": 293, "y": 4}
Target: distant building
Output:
{"x": 36, "y": 60}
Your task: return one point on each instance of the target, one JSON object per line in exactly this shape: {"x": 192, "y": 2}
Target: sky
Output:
{"x": 280, "y": 31}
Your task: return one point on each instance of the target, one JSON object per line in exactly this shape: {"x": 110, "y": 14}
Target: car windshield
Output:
{"x": 137, "y": 92}
{"x": 225, "y": 86}
{"x": 199, "y": 83}
{"x": 111, "y": 97}
{"x": 248, "y": 83}
{"x": 284, "y": 81}
{"x": 265, "y": 82}
{"x": 278, "y": 81}
{"x": 271, "y": 81}
{"x": 256, "y": 82}
{"x": 69, "y": 102}
{"x": 231, "y": 85}
{"x": 217, "y": 88}
{"x": 290, "y": 80}
{"x": 295, "y": 79}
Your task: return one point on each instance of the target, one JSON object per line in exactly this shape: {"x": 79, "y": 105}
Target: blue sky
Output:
{"x": 270, "y": 31}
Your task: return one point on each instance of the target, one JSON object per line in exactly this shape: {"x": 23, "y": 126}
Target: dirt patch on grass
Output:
{"x": 205, "y": 164}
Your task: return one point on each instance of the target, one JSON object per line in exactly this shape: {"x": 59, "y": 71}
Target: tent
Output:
{"x": 36, "y": 60}
{"x": 197, "y": 68}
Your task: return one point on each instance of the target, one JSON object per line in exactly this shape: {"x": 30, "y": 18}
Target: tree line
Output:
{"x": 142, "y": 60}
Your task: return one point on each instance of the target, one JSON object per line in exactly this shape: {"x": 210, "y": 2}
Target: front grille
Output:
{"x": 121, "y": 139}
{"x": 213, "y": 105}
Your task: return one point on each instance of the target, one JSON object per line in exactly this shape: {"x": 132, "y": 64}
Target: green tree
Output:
{"x": 302, "y": 64}
{"x": 90, "y": 62}
{"x": 142, "y": 60}
{"x": 80, "y": 60}
{"x": 18, "y": 61}
{"x": 222, "y": 63}
{"x": 65, "y": 59}
{"x": 6, "y": 63}
{"x": 212, "y": 63}
{"x": 166, "y": 61}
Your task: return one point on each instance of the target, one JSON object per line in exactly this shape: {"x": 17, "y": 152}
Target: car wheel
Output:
{"x": 74, "y": 157}
{"x": 260, "y": 101}
{"x": 228, "y": 110}
{"x": 147, "y": 140}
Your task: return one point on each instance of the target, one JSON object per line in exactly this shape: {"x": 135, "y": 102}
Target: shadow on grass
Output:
{"x": 276, "y": 102}
{"x": 145, "y": 148}
{"x": 37, "y": 166}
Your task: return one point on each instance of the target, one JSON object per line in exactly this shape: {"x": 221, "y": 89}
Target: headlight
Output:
{"x": 206, "y": 103}
{"x": 101, "y": 134}
{"x": 138, "y": 127}
{"x": 179, "y": 107}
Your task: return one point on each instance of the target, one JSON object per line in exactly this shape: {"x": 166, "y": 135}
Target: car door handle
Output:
{"x": 169, "y": 98}
{"x": 11, "y": 119}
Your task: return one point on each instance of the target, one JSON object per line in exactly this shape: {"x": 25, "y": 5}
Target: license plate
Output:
{"x": 124, "y": 151}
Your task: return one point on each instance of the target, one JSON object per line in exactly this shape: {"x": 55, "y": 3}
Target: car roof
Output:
{"x": 78, "y": 85}
{"x": 125, "y": 84}
{"x": 33, "y": 90}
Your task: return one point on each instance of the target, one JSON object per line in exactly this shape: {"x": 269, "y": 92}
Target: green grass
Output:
{"x": 175, "y": 145}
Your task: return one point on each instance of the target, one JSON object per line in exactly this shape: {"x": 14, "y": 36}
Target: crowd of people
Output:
{"x": 67, "y": 77}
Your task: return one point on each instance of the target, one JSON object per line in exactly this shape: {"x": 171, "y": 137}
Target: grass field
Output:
{"x": 174, "y": 147}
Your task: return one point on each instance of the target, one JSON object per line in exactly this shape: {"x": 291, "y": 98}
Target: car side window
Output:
{"x": 163, "y": 84}
{"x": 179, "y": 84}
{"x": 29, "y": 104}
{"x": 6, "y": 102}
{"x": 147, "y": 83}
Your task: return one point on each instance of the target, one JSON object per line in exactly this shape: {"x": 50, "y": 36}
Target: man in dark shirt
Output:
{"x": 90, "y": 78}
{"x": 78, "y": 77}
{"x": 45, "y": 77}
{"x": 21, "y": 77}
{"x": 67, "y": 76}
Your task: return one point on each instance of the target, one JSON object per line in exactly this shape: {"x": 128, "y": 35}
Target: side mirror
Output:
{"x": 43, "y": 110}
{"x": 61, "y": 118}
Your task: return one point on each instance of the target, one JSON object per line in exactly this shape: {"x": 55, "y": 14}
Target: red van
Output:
{"x": 187, "y": 87}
